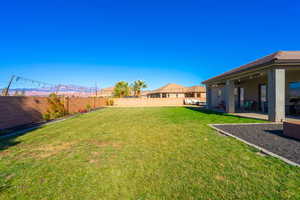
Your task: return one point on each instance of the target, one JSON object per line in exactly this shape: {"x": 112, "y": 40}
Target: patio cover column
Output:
{"x": 276, "y": 95}
{"x": 229, "y": 96}
{"x": 208, "y": 97}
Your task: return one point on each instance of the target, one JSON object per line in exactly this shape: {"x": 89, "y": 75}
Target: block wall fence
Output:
{"x": 16, "y": 111}
{"x": 150, "y": 102}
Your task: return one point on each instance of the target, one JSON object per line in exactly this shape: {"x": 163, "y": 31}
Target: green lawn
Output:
{"x": 140, "y": 153}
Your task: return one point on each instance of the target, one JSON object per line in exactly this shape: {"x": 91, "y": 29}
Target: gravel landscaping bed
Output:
{"x": 267, "y": 136}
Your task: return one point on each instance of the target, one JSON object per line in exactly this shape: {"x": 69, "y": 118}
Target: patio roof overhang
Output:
{"x": 286, "y": 59}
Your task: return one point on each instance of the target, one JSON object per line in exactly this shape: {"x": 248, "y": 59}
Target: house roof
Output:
{"x": 106, "y": 91}
{"x": 170, "y": 87}
{"x": 278, "y": 57}
{"x": 175, "y": 88}
{"x": 196, "y": 88}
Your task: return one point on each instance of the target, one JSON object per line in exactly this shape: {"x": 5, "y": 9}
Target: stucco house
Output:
{"x": 268, "y": 85}
{"x": 173, "y": 90}
{"x": 106, "y": 92}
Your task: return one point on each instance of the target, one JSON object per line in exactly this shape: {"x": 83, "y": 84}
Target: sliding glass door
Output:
{"x": 263, "y": 101}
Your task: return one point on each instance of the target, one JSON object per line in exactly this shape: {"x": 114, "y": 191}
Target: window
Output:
{"x": 236, "y": 91}
{"x": 219, "y": 93}
{"x": 294, "y": 90}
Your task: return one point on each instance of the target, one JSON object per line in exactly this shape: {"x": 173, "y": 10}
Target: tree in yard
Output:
{"x": 56, "y": 107}
{"x": 122, "y": 89}
{"x": 4, "y": 92}
{"x": 137, "y": 87}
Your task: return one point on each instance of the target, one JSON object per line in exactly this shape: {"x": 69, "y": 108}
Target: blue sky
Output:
{"x": 185, "y": 42}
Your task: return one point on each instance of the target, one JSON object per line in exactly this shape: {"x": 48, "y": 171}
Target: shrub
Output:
{"x": 46, "y": 116}
{"x": 109, "y": 102}
{"x": 56, "y": 108}
{"x": 88, "y": 107}
{"x": 82, "y": 110}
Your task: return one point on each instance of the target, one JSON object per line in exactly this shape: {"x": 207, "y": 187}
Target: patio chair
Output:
{"x": 250, "y": 105}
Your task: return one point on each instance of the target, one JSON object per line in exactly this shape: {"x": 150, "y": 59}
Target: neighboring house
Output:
{"x": 145, "y": 93}
{"x": 177, "y": 91}
{"x": 106, "y": 92}
{"x": 270, "y": 85}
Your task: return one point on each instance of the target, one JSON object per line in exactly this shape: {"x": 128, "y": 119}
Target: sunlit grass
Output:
{"x": 140, "y": 153}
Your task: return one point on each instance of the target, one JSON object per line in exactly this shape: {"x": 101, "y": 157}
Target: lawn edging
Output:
{"x": 253, "y": 145}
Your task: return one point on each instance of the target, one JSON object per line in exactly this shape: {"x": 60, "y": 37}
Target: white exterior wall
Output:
{"x": 173, "y": 95}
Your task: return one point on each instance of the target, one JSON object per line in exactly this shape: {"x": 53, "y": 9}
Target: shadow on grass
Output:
{"x": 9, "y": 140}
{"x": 4, "y": 187}
{"x": 207, "y": 111}
{"x": 213, "y": 112}
{"x": 220, "y": 113}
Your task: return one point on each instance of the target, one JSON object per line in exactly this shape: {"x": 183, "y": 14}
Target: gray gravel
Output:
{"x": 267, "y": 136}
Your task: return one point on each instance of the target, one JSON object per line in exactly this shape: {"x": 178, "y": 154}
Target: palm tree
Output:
{"x": 137, "y": 87}
{"x": 122, "y": 89}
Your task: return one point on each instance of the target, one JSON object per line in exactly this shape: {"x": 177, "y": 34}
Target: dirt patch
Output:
{"x": 96, "y": 157}
{"x": 4, "y": 153}
{"x": 52, "y": 149}
{"x": 220, "y": 178}
{"x": 106, "y": 143}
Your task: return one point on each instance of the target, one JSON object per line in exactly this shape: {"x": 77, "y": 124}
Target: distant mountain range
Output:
{"x": 67, "y": 90}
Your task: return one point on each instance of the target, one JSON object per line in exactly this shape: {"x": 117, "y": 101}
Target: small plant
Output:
{"x": 88, "y": 107}
{"x": 109, "y": 102}
{"x": 56, "y": 108}
{"x": 82, "y": 110}
{"x": 46, "y": 116}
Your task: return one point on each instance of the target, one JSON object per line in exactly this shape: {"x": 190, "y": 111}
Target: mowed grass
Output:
{"x": 140, "y": 153}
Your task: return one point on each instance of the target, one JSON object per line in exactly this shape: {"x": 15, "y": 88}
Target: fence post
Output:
{"x": 94, "y": 102}
{"x": 66, "y": 103}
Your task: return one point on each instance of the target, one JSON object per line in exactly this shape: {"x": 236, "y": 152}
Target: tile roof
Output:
{"x": 175, "y": 88}
{"x": 106, "y": 91}
{"x": 280, "y": 56}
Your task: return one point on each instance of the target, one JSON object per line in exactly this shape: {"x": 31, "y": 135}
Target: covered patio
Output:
{"x": 268, "y": 88}
{"x": 264, "y": 116}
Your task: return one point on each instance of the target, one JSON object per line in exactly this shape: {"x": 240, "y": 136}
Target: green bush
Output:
{"x": 56, "y": 108}
{"x": 109, "y": 102}
{"x": 88, "y": 107}
{"x": 46, "y": 116}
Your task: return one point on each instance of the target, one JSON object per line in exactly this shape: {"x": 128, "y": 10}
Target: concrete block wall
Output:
{"x": 16, "y": 111}
{"x": 144, "y": 102}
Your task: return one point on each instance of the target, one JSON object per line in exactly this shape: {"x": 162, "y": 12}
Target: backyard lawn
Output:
{"x": 140, "y": 153}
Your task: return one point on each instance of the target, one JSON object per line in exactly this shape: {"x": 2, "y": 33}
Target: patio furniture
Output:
{"x": 222, "y": 105}
{"x": 292, "y": 129}
{"x": 294, "y": 108}
{"x": 265, "y": 107}
{"x": 250, "y": 105}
